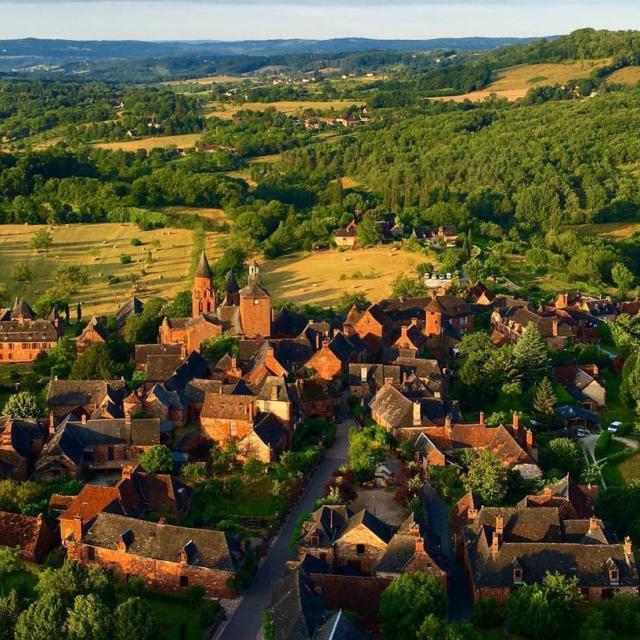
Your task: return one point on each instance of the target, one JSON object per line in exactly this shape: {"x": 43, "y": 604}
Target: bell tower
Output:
{"x": 255, "y": 307}
{"x": 203, "y": 295}
{"x": 433, "y": 320}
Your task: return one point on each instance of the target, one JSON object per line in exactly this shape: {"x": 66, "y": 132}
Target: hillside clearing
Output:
{"x": 314, "y": 278}
{"x": 609, "y": 230}
{"x": 627, "y": 75}
{"x": 184, "y": 140}
{"x": 217, "y": 215}
{"x": 99, "y": 247}
{"x": 225, "y": 110}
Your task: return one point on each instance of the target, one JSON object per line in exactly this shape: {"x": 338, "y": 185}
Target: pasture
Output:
{"x": 315, "y": 278}
{"x": 184, "y": 140}
{"x": 226, "y": 110}
{"x": 99, "y": 247}
{"x": 628, "y": 75}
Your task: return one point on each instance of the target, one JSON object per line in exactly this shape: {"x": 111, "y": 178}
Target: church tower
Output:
{"x": 433, "y": 325}
{"x": 255, "y": 307}
{"x": 203, "y": 295}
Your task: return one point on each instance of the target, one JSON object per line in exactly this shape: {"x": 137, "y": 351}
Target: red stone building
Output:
{"x": 179, "y": 557}
{"x": 30, "y": 534}
{"x": 93, "y": 333}
{"x": 255, "y": 307}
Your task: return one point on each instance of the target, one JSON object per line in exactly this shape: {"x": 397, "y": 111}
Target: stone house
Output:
{"x": 505, "y": 548}
{"x": 583, "y": 382}
{"x": 30, "y": 534}
{"x": 166, "y": 557}
{"x": 335, "y": 355}
{"x": 347, "y": 237}
{"x": 509, "y": 324}
{"x": 79, "y": 446}
{"x": 266, "y": 440}
{"x": 20, "y": 444}
{"x": 23, "y": 336}
{"x": 93, "y": 333}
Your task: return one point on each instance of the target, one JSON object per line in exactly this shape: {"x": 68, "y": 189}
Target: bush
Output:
{"x": 486, "y": 614}
{"x": 125, "y": 259}
{"x": 136, "y": 242}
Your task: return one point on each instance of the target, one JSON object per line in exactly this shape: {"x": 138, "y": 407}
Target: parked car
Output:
{"x": 582, "y": 433}
{"x": 614, "y": 426}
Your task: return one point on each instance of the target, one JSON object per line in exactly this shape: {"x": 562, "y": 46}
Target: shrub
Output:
{"x": 125, "y": 259}
{"x": 136, "y": 242}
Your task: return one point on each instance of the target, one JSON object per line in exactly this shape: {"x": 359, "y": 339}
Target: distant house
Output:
{"x": 132, "y": 307}
{"x": 443, "y": 236}
{"x": 347, "y": 237}
{"x": 179, "y": 557}
{"x": 583, "y": 383}
{"x": 20, "y": 445}
{"x": 93, "y": 333}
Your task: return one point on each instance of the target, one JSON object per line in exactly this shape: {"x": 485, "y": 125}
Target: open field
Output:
{"x": 217, "y": 215}
{"x": 628, "y": 75}
{"x": 225, "y": 110}
{"x": 314, "y": 278}
{"x": 206, "y": 80}
{"x": 99, "y": 247}
{"x": 609, "y": 230}
{"x": 513, "y": 83}
{"x": 184, "y": 140}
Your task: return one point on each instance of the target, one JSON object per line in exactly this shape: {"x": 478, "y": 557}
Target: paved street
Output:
{"x": 247, "y": 619}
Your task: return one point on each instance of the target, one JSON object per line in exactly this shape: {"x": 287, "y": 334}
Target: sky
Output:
{"x": 317, "y": 19}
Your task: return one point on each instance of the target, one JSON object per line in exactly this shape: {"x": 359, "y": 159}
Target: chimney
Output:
{"x": 628, "y": 547}
{"x": 420, "y": 545}
{"x": 404, "y": 329}
{"x": 417, "y": 414}
{"x": 162, "y": 522}
{"x": 472, "y": 513}
{"x": 499, "y": 525}
{"x": 482, "y": 418}
{"x": 127, "y": 419}
{"x": 516, "y": 422}
{"x": 447, "y": 422}
{"x": 78, "y": 527}
{"x": 318, "y": 343}
{"x": 274, "y": 391}
{"x": 593, "y": 524}
{"x": 414, "y": 322}
{"x": 40, "y": 519}
{"x": 52, "y": 424}
{"x": 127, "y": 472}
{"x": 124, "y": 540}
{"x": 270, "y": 352}
{"x": 495, "y": 544}
{"x": 554, "y": 327}
{"x": 83, "y": 419}
{"x": 528, "y": 434}
{"x": 364, "y": 374}
{"x": 414, "y": 530}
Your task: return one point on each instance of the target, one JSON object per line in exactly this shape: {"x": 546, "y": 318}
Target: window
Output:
{"x": 359, "y": 549}
{"x": 110, "y": 454}
{"x": 184, "y": 581}
{"x": 91, "y": 553}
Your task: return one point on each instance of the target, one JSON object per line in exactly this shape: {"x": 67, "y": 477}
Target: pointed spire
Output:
{"x": 232, "y": 285}
{"x": 203, "y": 270}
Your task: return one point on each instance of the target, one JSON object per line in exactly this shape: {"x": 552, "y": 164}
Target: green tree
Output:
{"x": 43, "y": 620}
{"x": 143, "y": 328}
{"x": 407, "y": 601}
{"x": 545, "y": 399}
{"x": 630, "y": 389}
{"x": 622, "y": 277}
{"x": 89, "y": 619}
{"x": 565, "y": 455}
{"x": 157, "y": 459}
{"x": 487, "y": 478}
{"x": 4, "y": 294}
{"x": 9, "y": 560}
{"x": 23, "y": 405}
{"x": 544, "y": 611}
{"x": 41, "y": 240}
{"x": 404, "y": 286}
{"x": 433, "y": 628}
{"x": 369, "y": 231}
{"x": 134, "y": 619}
{"x": 366, "y": 452}
{"x": 96, "y": 363}
{"x": 21, "y": 272}
{"x": 214, "y": 348}
{"x": 9, "y": 612}
{"x": 532, "y": 356}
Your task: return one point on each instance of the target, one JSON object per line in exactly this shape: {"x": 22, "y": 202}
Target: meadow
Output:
{"x": 226, "y": 111}
{"x": 185, "y": 140}
{"x": 322, "y": 276}
{"x": 99, "y": 248}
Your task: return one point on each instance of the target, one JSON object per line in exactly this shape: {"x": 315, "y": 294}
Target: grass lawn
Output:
{"x": 177, "y": 619}
{"x": 99, "y": 247}
{"x": 616, "y": 409}
{"x": 624, "y": 472}
{"x": 254, "y": 499}
{"x": 315, "y": 278}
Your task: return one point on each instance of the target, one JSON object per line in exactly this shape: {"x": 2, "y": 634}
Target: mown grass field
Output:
{"x": 184, "y": 140}
{"x": 99, "y": 247}
{"x": 628, "y": 75}
{"x": 609, "y": 230}
{"x": 514, "y": 82}
{"x": 226, "y": 110}
{"x": 315, "y": 278}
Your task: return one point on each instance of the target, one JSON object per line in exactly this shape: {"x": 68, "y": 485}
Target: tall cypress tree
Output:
{"x": 532, "y": 356}
{"x": 545, "y": 398}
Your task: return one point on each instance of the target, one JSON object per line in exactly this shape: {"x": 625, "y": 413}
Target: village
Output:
{"x": 294, "y": 467}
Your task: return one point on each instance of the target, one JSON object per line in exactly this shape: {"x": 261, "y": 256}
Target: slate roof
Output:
{"x": 203, "y": 269}
{"x": 17, "y": 530}
{"x": 365, "y": 518}
{"x": 132, "y": 307}
{"x": 269, "y": 430}
{"x": 423, "y": 367}
{"x": 287, "y": 323}
{"x": 297, "y": 609}
{"x": 231, "y": 284}
{"x": 196, "y": 390}
{"x": 229, "y": 317}
{"x": 31, "y": 331}
{"x": 377, "y": 374}
{"x": 403, "y": 310}
{"x": 538, "y": 542}
{"x": 19, "y": 436}
{"x": 340, "y": 627}
{"x": 254, "y": 290}
{"x": 143, "y": 351}
{"x": 82, "y": 392}
{"x": 573, "y": 500}
{"x": 230, "y": 407}
{"x": 326, "y": 522}
{"x": 205, "y": 548}
{"x": 21, "y": 309}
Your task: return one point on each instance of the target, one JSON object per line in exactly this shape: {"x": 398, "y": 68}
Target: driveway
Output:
{"x": 246, "y": 622}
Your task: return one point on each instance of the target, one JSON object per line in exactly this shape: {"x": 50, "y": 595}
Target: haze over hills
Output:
{"x": 58, "y": 51}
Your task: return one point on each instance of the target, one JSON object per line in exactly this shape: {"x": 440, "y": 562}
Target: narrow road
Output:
{"x": 247, "y": 619}
{"x": 460, "y": 601}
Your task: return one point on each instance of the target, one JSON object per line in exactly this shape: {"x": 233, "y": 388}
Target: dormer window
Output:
{"x": 315, "y": 540}
{"x": 359, "y": 549}
{"x": 517, "y": 575}
{"x": 614, "y": 576}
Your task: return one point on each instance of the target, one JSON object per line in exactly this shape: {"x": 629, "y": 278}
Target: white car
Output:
{"x": 582, "y": 433}
{"x": 614, "y": 426}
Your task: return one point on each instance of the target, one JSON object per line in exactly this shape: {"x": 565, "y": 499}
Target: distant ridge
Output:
{"x": 60, "y": 51}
